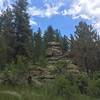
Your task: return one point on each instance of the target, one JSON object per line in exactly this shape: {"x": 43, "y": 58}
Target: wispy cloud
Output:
{"x": 49, "y": 9}
{"x": 86, "y": 9}
{"x": 33, "y": 23}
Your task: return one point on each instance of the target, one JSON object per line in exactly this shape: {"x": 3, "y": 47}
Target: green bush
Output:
{"x": 10, "y": 74}
{"x": 94, "y": 88}
{"x": 96, "y": 75}
{"x": 14, "y": 73}
{"x": 61, "y": 67}
{"x": 97, "y": 83}
{"x": 42, "y": 62}
{"x": 82, "y": 82}
{"x": 62, "y": 87}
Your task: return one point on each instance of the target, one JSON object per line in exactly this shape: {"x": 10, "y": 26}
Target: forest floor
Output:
{"x": 31, "y": 93}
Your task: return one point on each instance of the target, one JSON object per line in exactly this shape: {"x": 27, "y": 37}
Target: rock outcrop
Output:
{"x": 54, "y": 51}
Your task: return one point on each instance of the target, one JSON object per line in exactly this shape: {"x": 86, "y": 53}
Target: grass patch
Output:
{"x": 31, "y": 93}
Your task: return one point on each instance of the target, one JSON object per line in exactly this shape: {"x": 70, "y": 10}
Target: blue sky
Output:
{"x": 64, "y": 23}
{"x": 61, "y": 14}
{"x": 64, "y": 14}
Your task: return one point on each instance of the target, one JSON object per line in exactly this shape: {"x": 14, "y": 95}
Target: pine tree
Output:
{"x": 7, "y": 37}
{"x": 3, "y": 45}
{"x": 9, "y": 34}
{"x": 58, "y": 36}
{"x": 37, "y": 45}
{"x": 23, "y": 30}
{"x": 49, "y": 36}
{"x": 65, "y": 44}
{"x": 72, "y": 45}
{"x": 84, "y": 47}
{"x": 97, "y": 50}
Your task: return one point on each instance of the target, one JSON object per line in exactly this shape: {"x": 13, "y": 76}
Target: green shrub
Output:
{"x": 10, "y": 74}
{"x": 96, "y": 75}
{"x": 82, "y": 82}
{"x": 94, "y": 88}
{"x": 42, "y": 61}
{"x": 62, "y": 87}
{"x": 14, "y": 72}
{"x": 61, "y": 67}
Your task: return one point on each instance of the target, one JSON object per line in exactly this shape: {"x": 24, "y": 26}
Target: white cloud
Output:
{"x": 33, "y": 23}
{"x": 48, "y": 10}
{"x": 5, "y": 3}
{"x": 86, "y": 9}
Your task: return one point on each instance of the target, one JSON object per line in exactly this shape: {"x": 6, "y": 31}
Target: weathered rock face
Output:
{"x": 54, "y": 50}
